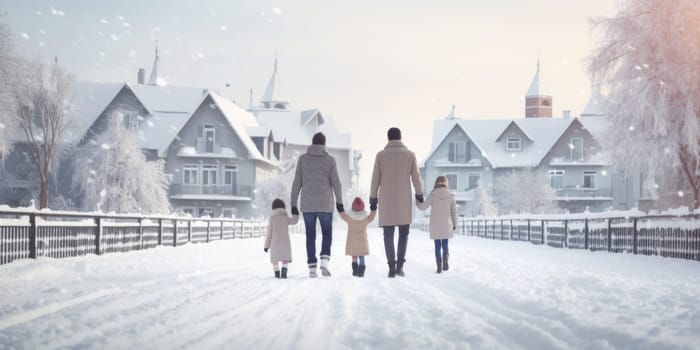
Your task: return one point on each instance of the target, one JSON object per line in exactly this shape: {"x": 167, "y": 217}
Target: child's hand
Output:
{"x": 265, "y": 249}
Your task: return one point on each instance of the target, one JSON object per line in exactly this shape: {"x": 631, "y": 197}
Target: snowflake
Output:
{"x": 223, "y": 28}
{"x": 25, "y": 35}
{"x": 38, "y": 13}
{"x": 126, "y": 24}
{"x": 631, "y": 128}
{"x": 604, "y": 173}
{"x": 103, "y": 193}
{"x": 132, "y": 53}
{"x": 103, "y": 21}
{"x": 681, "y": 194}
{"x": 105, "y": 146}
{"x": 114, "y": 37}
{"x": 150, "y": 124}
{"x": 637, "y": 67}
{"x": 42, "y": 32}
{"x": 277, "y": 10}
{"x": 2, "y": 126}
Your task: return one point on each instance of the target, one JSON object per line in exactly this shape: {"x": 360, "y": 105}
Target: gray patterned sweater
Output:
{"x": 317, "y": 179}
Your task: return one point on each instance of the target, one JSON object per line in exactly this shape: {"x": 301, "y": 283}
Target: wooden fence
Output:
{"x": 674, "y": 236}
{"x": 31, "y": 234}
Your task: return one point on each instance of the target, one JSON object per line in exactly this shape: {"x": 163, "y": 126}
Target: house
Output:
{"x": 293, "y": 130}
{"x": 564, "y": 152}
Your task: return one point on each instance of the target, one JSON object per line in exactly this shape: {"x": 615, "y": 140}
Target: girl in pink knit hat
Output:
{"x": 356, "y": 244}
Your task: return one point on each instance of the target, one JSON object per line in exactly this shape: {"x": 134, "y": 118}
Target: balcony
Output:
{"x": 444, "y": 163}
{"x": 213, "y": 192}
{"x": 583, "y": 194}
{"x": 204, "y": 150}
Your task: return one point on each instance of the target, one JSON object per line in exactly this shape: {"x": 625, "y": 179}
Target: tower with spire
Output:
{"x": 271, "y": 99}
{"x": 156, "y": 79}
{"x": 538, "y": 102}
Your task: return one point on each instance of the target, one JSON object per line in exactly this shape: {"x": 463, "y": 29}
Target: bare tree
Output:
{"x": 523, "y": 192}
{"x": 7, "y": 62}
{"x": 40, "y": 100}
{"x": 648, "y": 66}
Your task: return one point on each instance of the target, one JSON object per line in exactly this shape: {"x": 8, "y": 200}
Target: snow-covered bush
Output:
{"x": 480, "y": 204}
{"x": 111, "y": 174}
{"x": 522, "y": 191}
{"x": 279, "y": 186}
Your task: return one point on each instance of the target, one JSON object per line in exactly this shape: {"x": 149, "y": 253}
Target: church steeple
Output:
{"x": 538, "y": 102}
{"x": 271, "y": 98}
{"x": 155, "y": 79}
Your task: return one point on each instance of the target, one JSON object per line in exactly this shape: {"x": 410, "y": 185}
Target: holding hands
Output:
{"x": 295, "y": 211}
{"x": 373, "y": 203}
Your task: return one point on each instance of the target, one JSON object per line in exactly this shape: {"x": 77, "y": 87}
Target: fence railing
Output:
{"x": 28, "y": 233}
{"x": 674, "y": 236}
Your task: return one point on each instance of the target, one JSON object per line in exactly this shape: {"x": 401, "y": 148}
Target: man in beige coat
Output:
{"x": 395, "y": 168}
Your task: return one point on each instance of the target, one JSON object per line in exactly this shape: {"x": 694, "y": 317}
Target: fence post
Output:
{"x": 160, "y": 231}
{"x": 528, "y": 230}
{"x": 471, "y": 231}
{"x": 174, "y": 233}
{"x": 32, "y": 236}
{"x": 189, "y": 230}
{"x": 221, "y": 233}
{"x": 634, "y": 236}
{"x": 544, "y": 235}
{"x": 141, "y": 233}
{"x": 98, "y": 235}
{"x": 585, "y": 234}
{"x": 208, "y": 229}
{"x": 502, "y": 234}
{"x": 511, "y": 230}
{"x": 609, "y": 234}
{"x": 566, "y": 234}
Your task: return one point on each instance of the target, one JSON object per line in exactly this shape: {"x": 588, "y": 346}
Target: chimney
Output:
{"x": 141, "y": 76}
{"x": 566, "y": 114}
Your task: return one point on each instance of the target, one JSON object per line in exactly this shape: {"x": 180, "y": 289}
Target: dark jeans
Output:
{"x": 326, "y": 220}
{"x": 441, "y": 243}
{"x": 391, "y": 257}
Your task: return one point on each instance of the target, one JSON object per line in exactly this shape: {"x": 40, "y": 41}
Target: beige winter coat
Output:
{"x": 277, "y": 239}
{"x": 356, "y": 243}
{"x": 443, "y": 215}
{"x": 395, "y": 168}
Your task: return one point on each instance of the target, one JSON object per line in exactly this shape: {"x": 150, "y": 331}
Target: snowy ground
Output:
{"x": 497, "y": 294}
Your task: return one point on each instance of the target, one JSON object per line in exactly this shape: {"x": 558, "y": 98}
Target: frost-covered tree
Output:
{"x": 111, "y": 173}
{"x": 481, "y": 204}
{"x": 523, "y": 192}
{"x": 279, "y": 186}
{"x": 648, "y": 65}
{"x": 39, "y": 103}
{"x": 7, "y": 62}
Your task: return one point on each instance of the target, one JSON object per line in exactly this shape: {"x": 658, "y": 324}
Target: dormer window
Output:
{"x": 576, "y": 149}
{"x": 459, "y": 152}
{"x": 513, "y": 144}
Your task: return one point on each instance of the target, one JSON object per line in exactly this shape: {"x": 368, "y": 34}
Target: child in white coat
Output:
{"x": 443, "y": 220}
{"x": 277, "y": 239}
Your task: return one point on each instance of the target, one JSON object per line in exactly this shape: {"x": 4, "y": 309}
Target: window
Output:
{"x": 576, "y": 147}
{"x": 231, "y": 177}
{"x": 451, "y": 181}
{"x": 205, "y": 212}
{"x": 189, "y": 174}
{"x": 474, "y": 181}
{"x": 513, "y": 144}
{"x": 458, "y": 152}
{"x": 229, "y": 212}
{"x": 589, "y": 179}
{"x": 556, "y": 179}
{"x": 546, "y": 103}
{"x": 209, "y": 174}
{"x": 187, "y": 211}
{"x": 209, "y": 136}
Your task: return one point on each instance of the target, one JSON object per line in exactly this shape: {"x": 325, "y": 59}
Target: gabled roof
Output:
{"x": 518, "y": 127}
{"x": 594, "y": 105}
{"x": 259, "y": 131}
{"x": 544, "y": 132}
{"x": 88, "y": 102}
{"x": 289, "y": 125}
{"x": 308, "y": 115}
{"x": 169, "y": 99}
{"x": 537, "y": 87}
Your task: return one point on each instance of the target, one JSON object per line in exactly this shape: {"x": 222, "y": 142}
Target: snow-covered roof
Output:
{"x": 89, "y": 100}
{"x": 544, "y": 133}
{"x": 258, "y": 131}
{"x": 597, "y": 126}
{"x": 272, "y": 91}
{"x": 240, "y": 119}
{"x": 158, "y": 130}
{"x": 292, "y": 125}
{"x": 537, "y": 87}
{"x": 594, "y": 105}
{"x": 169, "y": 99}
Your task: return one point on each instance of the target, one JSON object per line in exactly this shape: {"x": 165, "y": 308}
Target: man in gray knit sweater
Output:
{"x": 317, "y": 178}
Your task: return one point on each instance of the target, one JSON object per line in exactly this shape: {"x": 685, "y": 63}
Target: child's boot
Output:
{"x": 284, "y": 273}
{"x": 277, "y": 274}
{"x": 445, "y": 265}
{"x": 354, "y": 269}
{"x": 361, "y": 270}
{"x": 438, "y": 262}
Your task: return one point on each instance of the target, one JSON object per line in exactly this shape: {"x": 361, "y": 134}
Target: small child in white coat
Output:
{"x": 443, "y": 220}
{"x": 277, "y": 239}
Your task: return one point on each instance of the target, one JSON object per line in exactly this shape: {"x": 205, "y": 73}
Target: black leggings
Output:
{"x": 391, "y": 257}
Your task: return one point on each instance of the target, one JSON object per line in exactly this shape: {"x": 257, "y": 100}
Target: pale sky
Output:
{"x": 368, "y": 64}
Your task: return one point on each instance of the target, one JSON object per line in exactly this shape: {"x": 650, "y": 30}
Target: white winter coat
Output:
{"x": 277, "y": 239}
{"x": 443, "y": 215}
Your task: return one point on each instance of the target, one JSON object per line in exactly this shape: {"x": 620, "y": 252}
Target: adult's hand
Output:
{"x": 295, "y": 211}
{"x": 340, "y": 207}
{"x": 265, "y": 249}
{"x": 373, "y": 203}
{"x": 419, "y": 198}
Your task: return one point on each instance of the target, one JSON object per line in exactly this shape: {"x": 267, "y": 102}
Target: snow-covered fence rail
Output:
{"x": 674, "y": 236}
{"x": 26, "y": 233}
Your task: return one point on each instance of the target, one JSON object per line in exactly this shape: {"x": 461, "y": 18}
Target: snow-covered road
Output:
{"x": 506, "y": 295}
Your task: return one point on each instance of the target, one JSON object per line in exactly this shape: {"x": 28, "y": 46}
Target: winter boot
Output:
{"x": 392, "y": 270}
{"x": 445, "y": 265}
{"x": 312, "y": 271}
{"x": 399, "y": 269}
{"x": 277, "y": 274}
{"x": 324, "y": 266}
{"x": 438, "y": 261}
{"x": 361, "y": 270}
{"x": 355, "y": 270}
{"x": 284, "y": 273}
